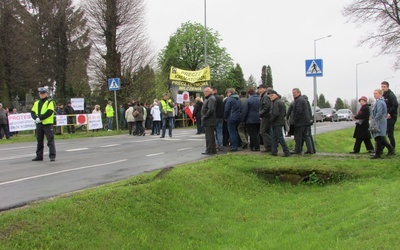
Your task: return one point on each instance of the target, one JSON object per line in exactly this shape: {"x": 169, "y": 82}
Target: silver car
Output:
{"x": 345, "y": 115}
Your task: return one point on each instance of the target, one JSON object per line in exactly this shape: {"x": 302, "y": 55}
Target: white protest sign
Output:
{"x": 94, "y": 121}
{"x": 21, "y": 122}
{"x": 179, "y": 98}
{"x": 78, "y": 103}
{"x": 61, "y": 120}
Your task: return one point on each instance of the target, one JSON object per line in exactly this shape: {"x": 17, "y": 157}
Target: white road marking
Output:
{"x": 3, "y": 149}
{"x": 112, "y": 145}
{"x": 16, "y": 157}
{"x": 60, "y": 172}
{"x": 155, "y": 154}
{"x": 76, "y": 149}
{"x": 183, "y": 149}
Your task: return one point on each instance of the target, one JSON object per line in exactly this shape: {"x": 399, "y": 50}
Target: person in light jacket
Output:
{"x": 129, "y": 118}
{"x": 156, "y": 114}
{"x": 379, "y": 116}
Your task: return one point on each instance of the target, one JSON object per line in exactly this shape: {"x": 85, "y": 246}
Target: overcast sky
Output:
{"x": 281, "y": 34}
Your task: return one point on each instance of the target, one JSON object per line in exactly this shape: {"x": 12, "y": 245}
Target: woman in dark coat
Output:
{"x": 197, "y": 114}
{"x": 361, "y": 132}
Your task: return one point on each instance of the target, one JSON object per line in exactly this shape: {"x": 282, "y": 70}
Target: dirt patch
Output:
{"x": 296, "y": 177}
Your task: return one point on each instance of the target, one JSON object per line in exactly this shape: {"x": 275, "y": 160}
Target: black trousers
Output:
{"x": 381, "y": 142}
{"x": 265, "y": 132}
{"x": 4, "y": 127}
{"x": 210, "y": 139}
{"x": 41, "y": 131}
{"x": 254, "y": 129}
{"x": 367, "y": 142}
{"x": 302, "y": 134}
{"x": 390, "y": 130}
{"x": 71, "y": 124}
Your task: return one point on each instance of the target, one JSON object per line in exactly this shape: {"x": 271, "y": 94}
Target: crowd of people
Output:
{"x": 251, "y": 119}
{"x": 248, "y": 120}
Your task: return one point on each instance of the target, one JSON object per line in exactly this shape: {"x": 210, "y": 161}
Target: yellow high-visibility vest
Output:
{"x": 47, "y": 105}
{"x": 165, "y": 106}
{"x": 109, "y": 111}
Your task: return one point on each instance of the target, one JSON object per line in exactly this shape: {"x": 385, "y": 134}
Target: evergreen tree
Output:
{"x": 236, "y": 79}
{"x": 269, "y": 80}
{"x": 322, "y": 103}
{"x": 339, "y": 104}
{"x": 264, "y": 75}
{"x": 251, "y": 82}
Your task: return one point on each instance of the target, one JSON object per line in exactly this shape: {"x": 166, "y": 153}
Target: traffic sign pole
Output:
{"x": 114, "y": 84}
{"x": 116, "y": 106}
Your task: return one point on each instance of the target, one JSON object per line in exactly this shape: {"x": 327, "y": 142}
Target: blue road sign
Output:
{"x": 114, "y": 84}
{"x": 314, "y": 67}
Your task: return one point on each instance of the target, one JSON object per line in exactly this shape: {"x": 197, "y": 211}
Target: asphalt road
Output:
{"x": 83, "y": 163}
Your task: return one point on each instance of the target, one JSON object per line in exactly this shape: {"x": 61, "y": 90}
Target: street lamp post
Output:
{"x": 357, "y": 81}
{"x": 205, "y": 32}
{"x": 205, "y": 36}
{"x": 315, "y": 88}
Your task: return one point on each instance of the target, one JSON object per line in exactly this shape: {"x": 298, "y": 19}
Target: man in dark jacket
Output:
{"x": 219, "y": 109}
{"x": 69, "y": 111}
{"x": 139, "y": 130}
{"x": 208, "y": 119}
{"x": 233, "y": 115}
{"x": 392, "y": 106}
{"x": 278, "y": 115}
{"x": 3, "y": 122}
{"x": 301, "y": 119}
{"x": 242, "y": 130}
{"x": 251, "y": 118}
{"x": 265, "y": 115}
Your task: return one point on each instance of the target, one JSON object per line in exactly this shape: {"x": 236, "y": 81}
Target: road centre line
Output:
{"x": 155, "y": 154}
{"x": 112, "y": 145}
{"x": 60, "y": 172}
{"x": 76, "y": 149}
{"x": 183, "y": 149}
{"x": 16, "y": 157}
{"x": 4, "y": 149}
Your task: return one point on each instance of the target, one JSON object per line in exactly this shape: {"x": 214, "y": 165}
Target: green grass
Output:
{"x": 221, "y": 203}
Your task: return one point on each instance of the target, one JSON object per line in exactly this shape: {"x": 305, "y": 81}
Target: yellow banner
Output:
{"x": 190, "y": 76}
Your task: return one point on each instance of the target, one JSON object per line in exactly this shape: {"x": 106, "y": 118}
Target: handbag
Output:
{"x": 135, "y": 113}
{"x": 374, "y": 127}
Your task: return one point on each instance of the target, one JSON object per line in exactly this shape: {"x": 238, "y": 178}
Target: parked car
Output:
{"x": 319, "y": 116}
{"x": 345, "y": 115}
{"x": 330, "y": 114}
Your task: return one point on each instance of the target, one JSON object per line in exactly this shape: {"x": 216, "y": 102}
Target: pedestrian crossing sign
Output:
{"x": 114, "y": 84}
{"x": 314, "y": 67}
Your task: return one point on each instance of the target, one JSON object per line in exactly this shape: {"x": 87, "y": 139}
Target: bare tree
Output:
{"x": 119, "y": 41}
{"x": 386, "y": 15}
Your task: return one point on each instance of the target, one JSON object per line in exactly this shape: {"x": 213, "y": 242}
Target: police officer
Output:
{"x": 43, "y": 114}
